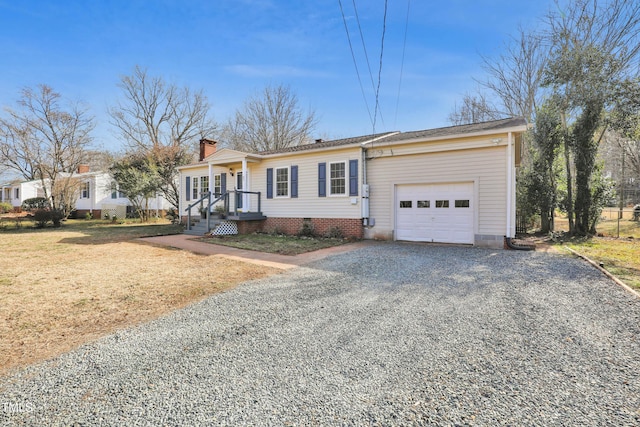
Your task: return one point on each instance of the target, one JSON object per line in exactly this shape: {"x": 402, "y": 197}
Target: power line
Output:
{"x": 404, "y": 46}
{"x": 364, "y": 46}
{"x": 384, "y": 29}
{"x": 355, "y": 63}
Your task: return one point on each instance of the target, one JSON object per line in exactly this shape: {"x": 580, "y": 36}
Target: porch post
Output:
{"x": 245, "y": 187}
{"x": 210, "y": 189}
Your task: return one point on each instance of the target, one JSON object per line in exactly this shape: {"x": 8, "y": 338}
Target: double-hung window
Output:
{"x": 204, "y": 184}
{"x": 217, "y": 185}
{"x": 337, "y": 173}
{"x": 84, "y": 192}
{"x": 194, "y": 188}
{"x": 282, "y": 182}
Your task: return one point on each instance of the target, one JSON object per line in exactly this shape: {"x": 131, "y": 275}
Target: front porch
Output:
{"x": 221, "y": 213}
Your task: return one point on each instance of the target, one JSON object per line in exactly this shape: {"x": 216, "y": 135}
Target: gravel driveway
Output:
{"x": 389, "y": 334}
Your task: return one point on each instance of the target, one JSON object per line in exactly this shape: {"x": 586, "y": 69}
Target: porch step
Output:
{"x": 200, "y": 227}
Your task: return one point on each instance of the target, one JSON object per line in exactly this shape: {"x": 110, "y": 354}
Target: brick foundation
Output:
{"x": 350, "y": 228}
{"x": 248, "y": 227}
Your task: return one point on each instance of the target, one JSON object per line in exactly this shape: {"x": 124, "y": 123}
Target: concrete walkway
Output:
{"x": 285, "y": 262}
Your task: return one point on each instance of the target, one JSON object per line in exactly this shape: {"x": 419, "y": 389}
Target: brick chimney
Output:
{"x": 83, "y": 169}
{"x": 207, "y": 148}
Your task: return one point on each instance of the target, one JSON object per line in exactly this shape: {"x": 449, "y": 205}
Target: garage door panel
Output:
{"x": 435, "y": 212}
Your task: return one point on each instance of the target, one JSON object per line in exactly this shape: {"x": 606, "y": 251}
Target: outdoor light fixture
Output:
{"x": 231, "y": 171}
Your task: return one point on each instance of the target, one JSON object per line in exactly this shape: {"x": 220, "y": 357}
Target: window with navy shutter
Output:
{"x": 322, "y": 179}
{"x": 188, "y": 185}
{"x": 223, "y": 183}
{"x": 294, "y": 181}
{"x": 270, "y": 183}
{"x": 353, "y": 177}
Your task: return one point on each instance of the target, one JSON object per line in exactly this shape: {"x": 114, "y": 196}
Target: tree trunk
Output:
{"x": 567, "y": 162}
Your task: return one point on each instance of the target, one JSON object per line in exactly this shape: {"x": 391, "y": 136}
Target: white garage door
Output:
{"x": 435, "y": 212}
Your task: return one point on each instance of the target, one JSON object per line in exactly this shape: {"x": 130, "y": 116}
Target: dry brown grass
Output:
{"x": 58, "y": 290}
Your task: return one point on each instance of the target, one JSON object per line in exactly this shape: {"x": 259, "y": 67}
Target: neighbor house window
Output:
{"x": 115, "y": 193}
{"x": 338, "y": 178}
{"x": 217, "y": 185}
{"x": 84, "y": 191}
{"x": 282, "y": 182}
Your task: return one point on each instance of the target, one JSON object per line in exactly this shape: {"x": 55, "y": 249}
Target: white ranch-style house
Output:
{"x": 451, "y": 185}
{"x": 98, "y": 195}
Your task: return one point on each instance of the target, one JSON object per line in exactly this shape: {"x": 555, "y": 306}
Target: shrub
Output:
{"x": 56, "y": 217}
{"x": 42, "y": 217}
{"x": 334, "y": 233}
{"x": 88, "y": 215}
{"x": 307, "y": 230}
{"x": 35, "y": 203}
{"x": 5, "y": 207}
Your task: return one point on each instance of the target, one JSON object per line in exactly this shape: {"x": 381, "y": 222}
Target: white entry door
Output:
{"x": 435, "y": 212}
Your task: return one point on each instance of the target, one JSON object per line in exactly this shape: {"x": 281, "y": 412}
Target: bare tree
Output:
{"x": 271, "y": 120}
{"x": 474, "y": 109}
{"x": 45, "y": 140}
{"x": 162, "y": 121}
{"x": 515, "y": 76}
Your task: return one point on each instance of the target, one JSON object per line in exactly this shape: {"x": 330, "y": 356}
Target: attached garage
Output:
{"x": 442, "y": 213}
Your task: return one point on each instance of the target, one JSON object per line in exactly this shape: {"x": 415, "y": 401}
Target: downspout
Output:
{"x": 509, "y": 186}
{"x": 510, "y": 199}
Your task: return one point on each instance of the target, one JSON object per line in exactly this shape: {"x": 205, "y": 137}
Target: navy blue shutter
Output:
{"x": 188, "y": 189}
{"x": 322, "y": 179}
{"x": 269, "y": 183}
{"x": 353, "y": 177}
{"x": 294, "y": 181}
{"x": 223, "y": 183}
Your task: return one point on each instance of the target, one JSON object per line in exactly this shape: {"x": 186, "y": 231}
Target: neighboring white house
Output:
{"x": 98, "y": 195}
{"x": 451, "y": 185}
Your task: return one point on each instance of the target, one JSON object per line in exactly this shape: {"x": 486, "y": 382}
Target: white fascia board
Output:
{"x": 514, "y": 129}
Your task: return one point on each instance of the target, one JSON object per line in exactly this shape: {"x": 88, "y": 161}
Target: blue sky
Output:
{"x": 233, "y": 48}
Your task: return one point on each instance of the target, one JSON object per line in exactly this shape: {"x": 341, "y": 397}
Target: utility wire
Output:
{"x": 384, "y": 29}
{"x": 355, "y": 63}
{"x": 404, "y": 47}
{"x": 364, "y": 46}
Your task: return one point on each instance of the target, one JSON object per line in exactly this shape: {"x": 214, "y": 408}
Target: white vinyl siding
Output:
{"x": 485, "y": 167}
{"x": 307, "y": 204}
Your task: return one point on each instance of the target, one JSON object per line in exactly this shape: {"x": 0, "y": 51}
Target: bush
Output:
{"x": 42, "y": 217}
{"x": 307, "y": 230}
{"x": 5, "y": 207}
{"x": 35, "y": 203}
{"x": 56, "y": 217}
{"x": 334, "y": 233}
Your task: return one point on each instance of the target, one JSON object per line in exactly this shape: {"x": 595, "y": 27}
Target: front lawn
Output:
{"x": 275, "y": 244}
{"x": 620, "y": 255}
{"x": 60, "y": 287}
